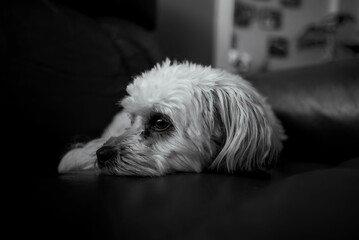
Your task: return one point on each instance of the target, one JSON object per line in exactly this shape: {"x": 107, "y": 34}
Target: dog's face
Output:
{"x": 186, "y": 117}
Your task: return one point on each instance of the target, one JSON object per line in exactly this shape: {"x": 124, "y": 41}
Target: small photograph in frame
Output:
{"x": 291, "y": 3}
{"x": 270, "y": 19}
{"x": 243, "y": 14}
{"x": 278, "y": 47}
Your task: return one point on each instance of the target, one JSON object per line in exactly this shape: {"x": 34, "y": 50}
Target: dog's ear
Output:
{"x": 251, "y": 134}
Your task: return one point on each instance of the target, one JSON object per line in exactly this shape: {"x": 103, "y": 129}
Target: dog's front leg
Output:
{"x": 120, "y": 123}
{"x": 81, "y": 158}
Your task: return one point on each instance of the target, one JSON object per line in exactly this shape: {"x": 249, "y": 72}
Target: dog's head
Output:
{"x": 186, "y": 117}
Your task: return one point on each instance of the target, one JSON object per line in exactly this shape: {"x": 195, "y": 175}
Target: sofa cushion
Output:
{"x": 58, "y": 38}
{"x": 318, "y": 106}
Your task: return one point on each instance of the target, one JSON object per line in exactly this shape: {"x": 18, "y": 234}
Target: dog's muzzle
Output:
{"x": 105, "y": 155}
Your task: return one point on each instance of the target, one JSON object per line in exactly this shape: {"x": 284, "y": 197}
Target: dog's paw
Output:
{"x": 76, "y": 160}
{"x": 80, "y": 159}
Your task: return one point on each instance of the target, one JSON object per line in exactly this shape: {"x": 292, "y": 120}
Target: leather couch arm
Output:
{"x": 319, "y": 108}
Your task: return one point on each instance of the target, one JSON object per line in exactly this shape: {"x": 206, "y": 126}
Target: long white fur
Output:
{"x": 221, "y": 122}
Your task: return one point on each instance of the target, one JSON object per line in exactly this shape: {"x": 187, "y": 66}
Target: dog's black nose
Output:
{"x": 106, "y": 154}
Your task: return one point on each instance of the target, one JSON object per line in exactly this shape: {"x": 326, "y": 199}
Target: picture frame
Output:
{"x": 278, "y": 47}
{"x": 270, "y": 19}
{"x": 291, "y": 3}
{"x": 243, "y": 14}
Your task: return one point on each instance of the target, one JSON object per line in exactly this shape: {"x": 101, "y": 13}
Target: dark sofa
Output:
{"x": 63, "y": 72}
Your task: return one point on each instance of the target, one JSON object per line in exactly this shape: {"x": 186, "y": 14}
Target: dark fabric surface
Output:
{"x": 296, "y": 201}
{"x": 319, "y": 109}
{"x": 140, "y": 12}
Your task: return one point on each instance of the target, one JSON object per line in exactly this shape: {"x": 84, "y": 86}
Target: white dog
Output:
{"x": 184, "y": 117}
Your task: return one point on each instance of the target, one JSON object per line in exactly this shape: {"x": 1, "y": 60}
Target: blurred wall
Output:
{"x": 185, "y": 29}
{"x": 202, "y": 31}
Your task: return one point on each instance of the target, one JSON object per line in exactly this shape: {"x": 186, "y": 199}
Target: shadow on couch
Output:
{"x": 63, "y": 73}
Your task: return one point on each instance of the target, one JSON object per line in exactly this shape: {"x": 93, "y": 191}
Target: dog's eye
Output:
{"x": 160, "y": 125}
{"x": 159, "y": 122}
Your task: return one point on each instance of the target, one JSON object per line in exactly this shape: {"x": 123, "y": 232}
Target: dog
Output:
{"x": 184, "y": 117}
